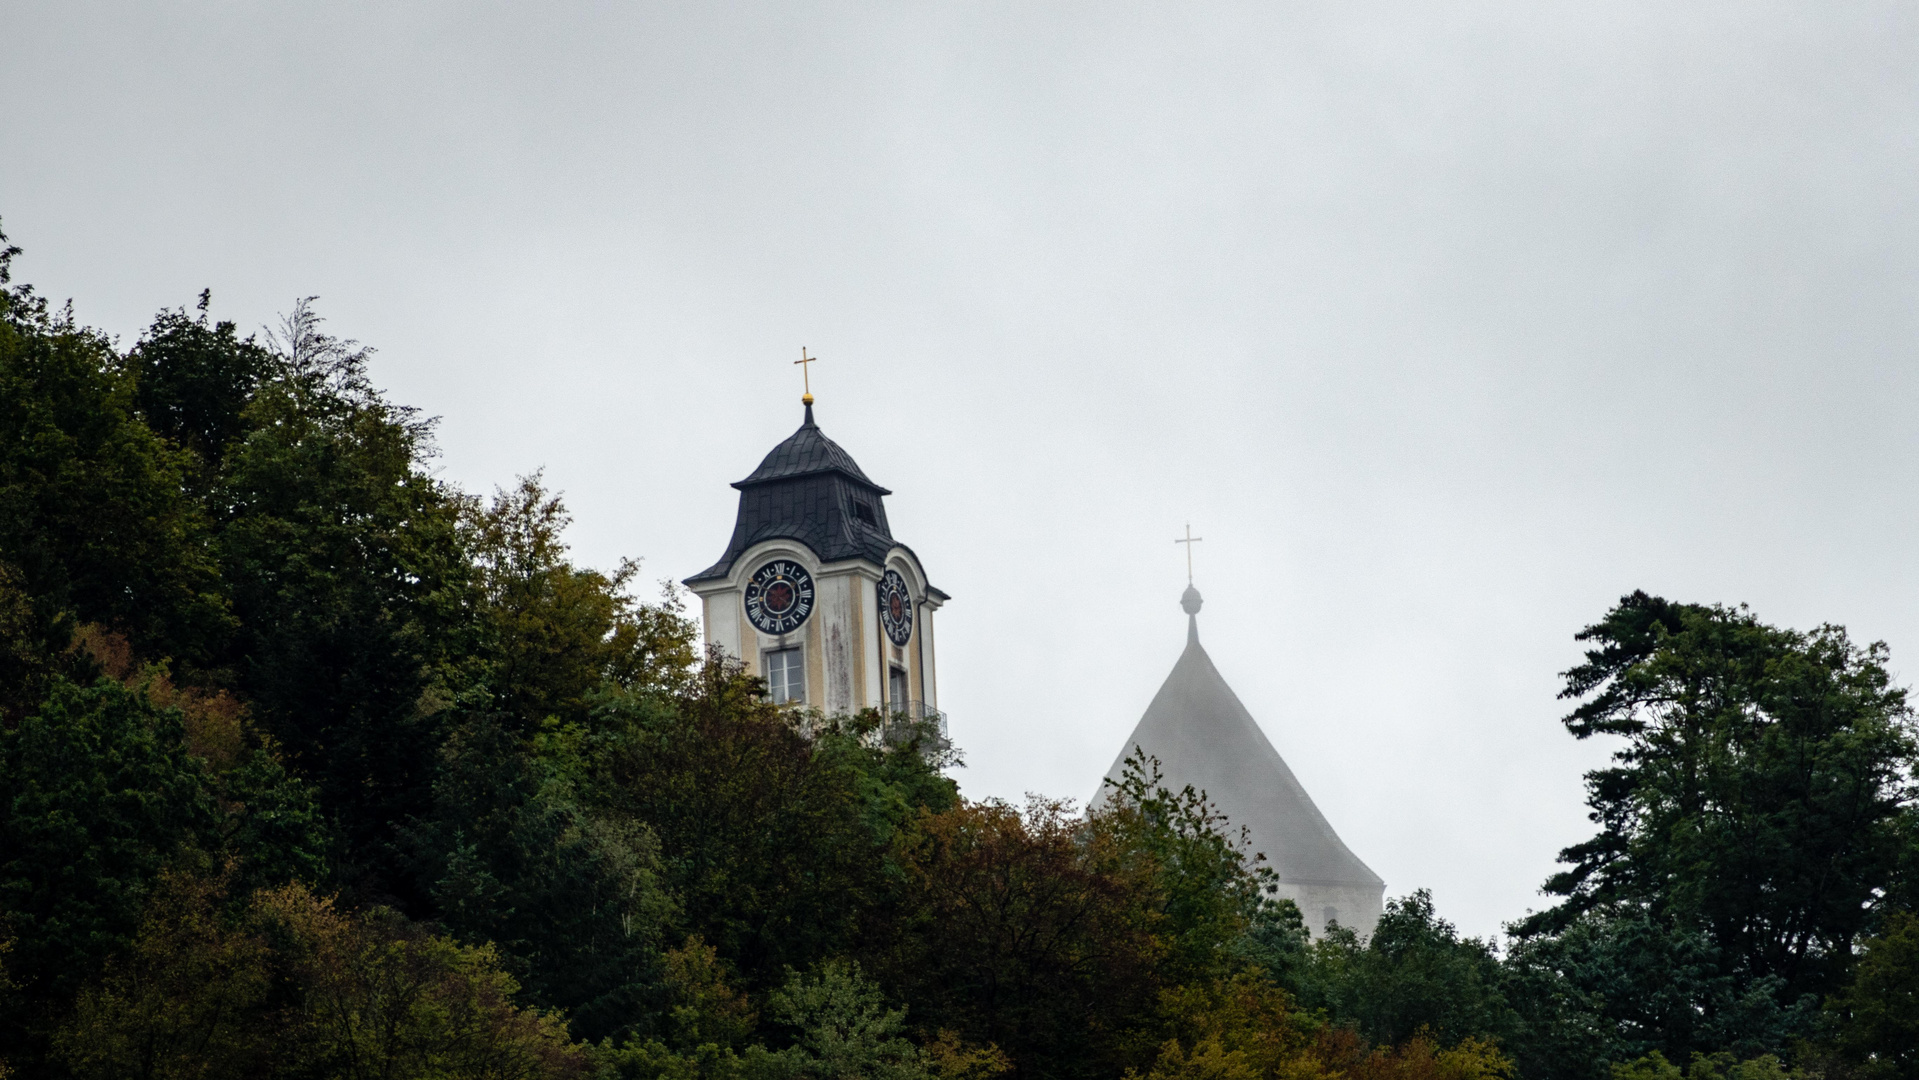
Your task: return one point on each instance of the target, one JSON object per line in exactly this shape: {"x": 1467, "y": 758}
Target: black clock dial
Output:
{"x": 779, "y": 597}
{"x": 896, "y": 608}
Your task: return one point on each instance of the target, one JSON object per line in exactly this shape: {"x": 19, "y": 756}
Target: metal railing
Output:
{"x": 904, "y": 720}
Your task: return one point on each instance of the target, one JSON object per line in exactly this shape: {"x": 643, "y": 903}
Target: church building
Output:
{"x": 815, "y": 595}
{"x": 1203, "y": 736}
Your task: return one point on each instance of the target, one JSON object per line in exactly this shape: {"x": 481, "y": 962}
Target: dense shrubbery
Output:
{"x": 314, "y": 766}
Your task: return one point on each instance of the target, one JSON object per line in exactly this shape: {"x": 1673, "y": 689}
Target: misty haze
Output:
{"x": 672, "y": 518}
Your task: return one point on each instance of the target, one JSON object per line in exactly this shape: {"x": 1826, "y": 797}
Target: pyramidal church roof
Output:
{"x": 807, "y": 452}
{"x": 809, "y": 489}
{"x": 1203, "y": 736}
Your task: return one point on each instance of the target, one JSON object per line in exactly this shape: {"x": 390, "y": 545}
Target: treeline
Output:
{"x": 312, "y": 765}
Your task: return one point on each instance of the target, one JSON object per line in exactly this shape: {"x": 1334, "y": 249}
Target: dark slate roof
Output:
{"x": 810, "y": 490}
{"x": 1203, "y": 736}
{"x": 804, "y": 453}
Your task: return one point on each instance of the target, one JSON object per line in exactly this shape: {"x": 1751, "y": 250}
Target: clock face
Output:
{"x": 779, "y": 597}
{"x": 896, "y": 608}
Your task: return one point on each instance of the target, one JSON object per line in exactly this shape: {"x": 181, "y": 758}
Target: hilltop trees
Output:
{"x": 96, "y": 523}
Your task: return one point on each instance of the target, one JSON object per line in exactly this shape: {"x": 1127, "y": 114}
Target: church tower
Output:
{"x": 1203, "y": 736}
{"x": 815, "y": 595}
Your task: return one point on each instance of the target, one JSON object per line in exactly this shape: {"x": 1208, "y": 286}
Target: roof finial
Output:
{"x": 806, "y": 399}
{"x": 1189, "y": 601}
{"x": 1189, "y": 542}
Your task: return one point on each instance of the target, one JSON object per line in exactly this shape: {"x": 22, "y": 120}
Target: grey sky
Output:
{"x": 1444, "y": 325}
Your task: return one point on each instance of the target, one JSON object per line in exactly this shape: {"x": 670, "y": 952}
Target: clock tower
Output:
{"x": 813, "y": 593}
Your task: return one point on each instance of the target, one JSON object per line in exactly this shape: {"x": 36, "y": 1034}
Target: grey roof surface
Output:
{"x": 1203, "y": 736}
{"x": 806, "y": 489}
{"x": 804, "y": 453}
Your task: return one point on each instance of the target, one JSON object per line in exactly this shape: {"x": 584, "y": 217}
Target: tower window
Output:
{"x": 785, "y": 677}
{"x": 1331, "y": 916}
{"x": 896, "y": 692}
{"x": 864, "y": 511}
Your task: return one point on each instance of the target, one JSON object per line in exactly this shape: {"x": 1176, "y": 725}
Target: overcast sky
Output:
{"x": 1444, "y": 324}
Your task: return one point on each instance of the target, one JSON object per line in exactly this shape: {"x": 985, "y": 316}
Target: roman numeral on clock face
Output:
{"x": 779, "y": 597}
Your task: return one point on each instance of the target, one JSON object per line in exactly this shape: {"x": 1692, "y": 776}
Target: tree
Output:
{"x": 842, "y": 1029}
{"x": 26, "y": 665}
{"x": 1339, "y": 1052}
{"x": 704, "y": 1009}
{"x": 557, "y": 634}
{"x": 1209, "y": 894}
{"x": 95, "y": 522}
{"x": 1755, "y": 817}
{"x": 571, "y": 899}
{"x": 1875, "y": 1020}
{"x": 353, "y": 591}
{"x": 185, "y": 999}
{"x": 193, "y": 381}
{"x": 100, "y": 793}
{"x": 379, "y": 997}
{"x": 1237, "y": 1028}
{"x": 97, "y": 794}
{"x": 834, "y": 1021}
{"x": 777, "y": 832}
{"x": 1031, "y": 930}
{"x": 1413, "y": 974}
{"x": 1642, "y": 985}
{"x": 1720, "y": 1066}
{"x": 1244, "y": 1028}
{"x": 284, "y": 984}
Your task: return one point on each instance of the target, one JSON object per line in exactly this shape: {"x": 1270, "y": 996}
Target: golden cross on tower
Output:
{"x": 806, "y": 375}
{"x": 1189, "y": 542}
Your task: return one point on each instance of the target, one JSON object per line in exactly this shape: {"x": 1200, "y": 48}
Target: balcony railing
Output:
{"x": 904, "y": 720}
{"x": 899, "y": 723}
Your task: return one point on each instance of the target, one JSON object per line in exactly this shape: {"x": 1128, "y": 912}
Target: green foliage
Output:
{"x": 1419, "y": 1058}
{"x": 288, "y": 986}
{"x": 1208, "y": 896}
{"x": 1563, "y": 1031}
{"x": 776, "y": 836}
{"x": 570, "y": 898}
{"x": 272, "y": 822}
{"x": 1029, "y": 930}
{"x": 346, "y": 570}
{"x": 1720, "y": 1066}
{"x": 193, "y": 381}
{"x": 1239, "y": 1028}
{"x": 95, "y": 520}
{"x": 26, "y": 665}
{"x": 704, "y": 1010}
{"x": 98, "y": 794}
{"x": 1276, "y": 941}
{"x": 1755, "y": 818}
{"x": 379, "y": 997}
{"x": 178, "y": 1000}
{"x": 1875, "y": 1020}
{"x": 556, "y": 634}
{"x": 1244, "y": 1028}
{"x": 1658, "y": 987}
{"x": 1413, "y": 974}
{"x": 652, "y": 1059}
{"x": 836, "y": 1026}
{"x": 841, "y": 1028}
